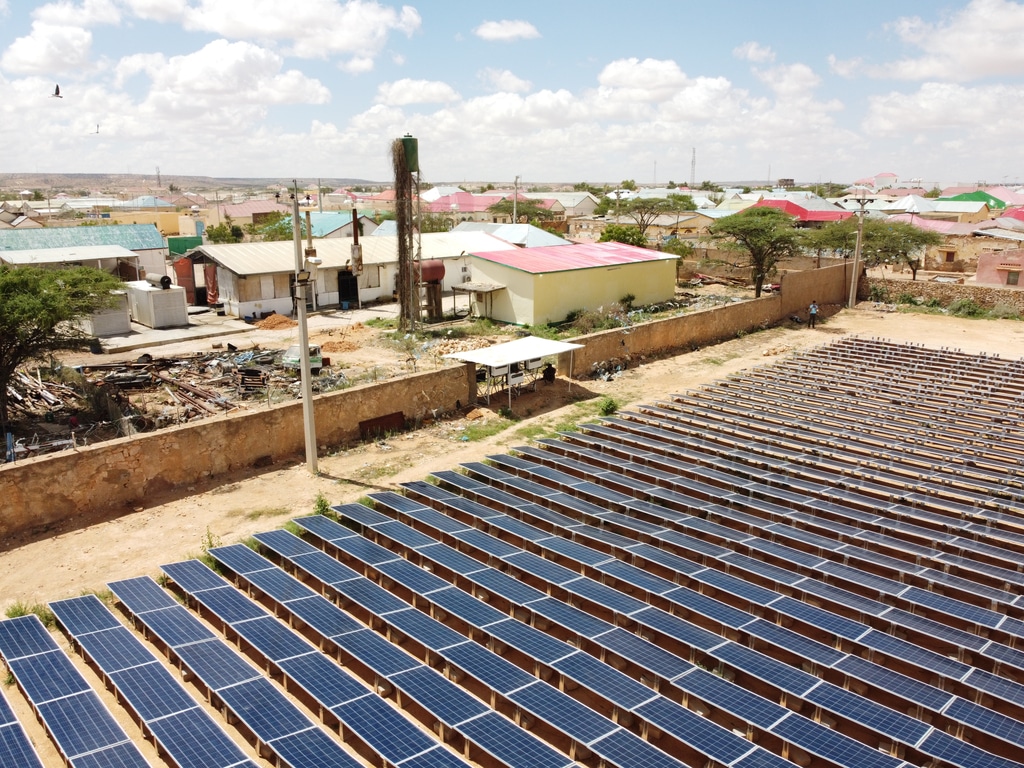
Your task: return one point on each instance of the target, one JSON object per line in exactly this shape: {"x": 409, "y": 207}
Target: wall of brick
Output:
{"x": 985, "y": 296}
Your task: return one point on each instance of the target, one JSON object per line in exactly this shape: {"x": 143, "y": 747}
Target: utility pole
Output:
{"x": 515, "y": 201}
{"x": 852, "y": 302}
{"x": 302, "y": 275}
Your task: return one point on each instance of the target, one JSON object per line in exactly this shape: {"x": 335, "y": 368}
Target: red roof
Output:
{"x": 563, "y": 258}
{"x": 801, "y": 213}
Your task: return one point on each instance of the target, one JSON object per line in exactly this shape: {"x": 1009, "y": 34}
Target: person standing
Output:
{"x": 812, "y": 313}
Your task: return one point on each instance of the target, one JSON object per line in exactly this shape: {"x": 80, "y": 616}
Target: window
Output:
{"x": 1012, "y": 278}
{"x": 950, "y": 256}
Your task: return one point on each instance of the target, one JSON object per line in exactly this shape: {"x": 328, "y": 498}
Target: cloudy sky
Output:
{"x": 551, "y": 92}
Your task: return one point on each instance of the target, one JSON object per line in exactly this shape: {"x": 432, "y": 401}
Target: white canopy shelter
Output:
{"x": 499, "y": 359}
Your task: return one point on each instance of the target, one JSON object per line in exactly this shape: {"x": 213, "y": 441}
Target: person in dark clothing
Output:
{"x": 812, "y": 314}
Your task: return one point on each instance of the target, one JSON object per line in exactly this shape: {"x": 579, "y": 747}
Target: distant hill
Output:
{"x": 115, "y": 182}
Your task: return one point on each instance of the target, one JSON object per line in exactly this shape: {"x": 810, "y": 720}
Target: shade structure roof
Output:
{"x": 564, "y": 258}
{"x": 517, "y": 351}
{"x": 67, "y": 255}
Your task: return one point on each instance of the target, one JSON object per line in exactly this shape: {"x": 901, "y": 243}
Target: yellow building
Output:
{"x": 535, "y": 286}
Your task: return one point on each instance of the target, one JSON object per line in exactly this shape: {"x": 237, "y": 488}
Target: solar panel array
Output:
{"x": 816, "y": 562}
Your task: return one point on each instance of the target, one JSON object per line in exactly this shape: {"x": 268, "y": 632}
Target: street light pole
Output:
{"x": 856, "y": 255}
{"x": 301, "y": 280}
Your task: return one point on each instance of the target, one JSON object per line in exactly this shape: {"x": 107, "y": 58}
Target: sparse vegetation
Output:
{"x": 321, "y": 506}
{"x": 42, "y": 610}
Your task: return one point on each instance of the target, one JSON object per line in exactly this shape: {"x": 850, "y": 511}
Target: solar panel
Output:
{"x": 176, "y": 626}
{"x": 841, "y": 750}
{"x": 323, "y": 616}
{"x": 609, "y": 597}
{"x": 915, "y": 654}
{"x": 313, "y": 748}
{"x": 752, "y": 593}
{"x": 636, "y": 577}
{"x": 371, "y": 596}
{"x": 690, "y": 728}
{"x": 285, "y": 543}
{"x": 228, "y": 604}
{"x": 495, "y": 672}
{"x": 404, "y": 535}
{"x": 279, "y": 585}
{"x": 114, "y": 649}
{"x": 627, "y": 749}
{"x": 325, "y": 568}
{"x": 833, "y": 623}
{"x": 46, "y": 676}
{"x": 986, "y": 720}
{"x": 887, "y": 721}
{"x": 507, "y": 586}
{"x": 425, "y": 630}
{"x": 508, "y": 743}
{"x": 447, "y": 702}
{"x": 435, "y": 758}
{"x": 323, "y": 679}
{"x": 152, "y": 691}
{"x": 574, "y": 619}
{"x": 21, "y": 636}
{"x": 957, "y": 752}
{"x": 216, "y": 664}
{"x": 383, "y": 728}
{"x": 141, "y": 594}
{"x": 675, "y": 627}
{"x": 192, "y": 576}
{"x": 16, "y": 751}
{"x": 195, "y": 740}
{"x": 262, "y": 707}
{"x": 605, "y": 680}
{"x": 794, "y": 642}
{"x": 364, "y": 550}
{"x": 453, "y": 560}
{"x": 362, "y": 514}
{"x": 78, "y": 615}
{"x": 467, "y": 607}
{"x": 376, "y": 652}
{"x": 123, "y": 755}
{"x": 907, "y": 687}
{"x": 539, "y": 645}
{"x": 732, "y": 698}
{"x": 81, "y": 724}
{"x": 323, "y": 527}
{"x": 763, "y": 667}
{"x": 535, "y": 565}
{"x": 646, "y": 654}
{"x": 563, "y": 712}
{"x": 421, "y": 582}
{"x": 271, "y": 638}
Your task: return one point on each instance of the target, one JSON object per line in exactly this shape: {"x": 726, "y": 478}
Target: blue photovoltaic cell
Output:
{"x": 429, "y": 632}
{"x": 114, "y": 649}
{"x": 956, "y": 752}
{"x": 78, "y": 615}
{"x": 216, "y": 664}
{"x": 383, "y": 728}
{"x": 819, "y": 617}
{"x": 413, "y": 577}
{"x": 821, "y": 741}
{"x": 279, "y": 585}
{"x": 508, "y": 587}
{"x": 240, "y": 559}
{"x": 920, "y": 693}
{"x": 485, "y": 543}
{"x": 563, "y": 712}
{"x": 389, "y": 499}
{"x": 732, "y": 698}
{"x": 958, "y": 608}
{"x": 274, "y": 640}
{"x": 644, "y": 653}
{"x": 328, "y": 683}
{"x": 364, "y": 550}
{"x": 404, "y": 535}
{"x": 438, "y": 520}
{"x": 606, "y": 596}
{"x": 362, "y": 514}
{"x": 574, "y": 550}
{"x": 152, "y": 691}
{"x": 722, "y": 613}
{"x": 376, "y": 652}
{"x": 874, "y": 716}
{"x": 915, "y": 654}
{"x": 16, "y": 751}
{"x": 229, "y": 605}
{"x": 678, "y": 628}
{"x": 627, "y": 749}
{"x": 439, "y": 696}
{"x": 141, "y": 594}
{"x": 81, "y": 724}
{"x": 313, "y": 748}
{"x": 285, "y": 543}
{"x": 196, "y": 741}
{"x": 794, "y": 642}
{"x": 538, "y": 645}
{"x": 371, "y": 596}
{"x": 777, "y": 673}
{"x": 324, "y": 616}
{"x": 323, "y": 527}
{"x": 580, "y": 622}
{"x": 123, "y": 755}
{"x": 636, "y": 577}
{"x": 193, "y": 576}
{"x": 605, "y": 680}
{"x": 535, "y": 565}
{"x": 517, "y": 528}
{"x": 451, "y": 559}
{"x": 495, "y": 672}
{"x": 467, "y": 607}
{"x": 325, "y": 568}
{"x": 986, "y": 720}
{"x": 24, "y": 636}
{"x": 435, "y": 758}
{"x": 176, "y": 626}
{"x": 933, "y": 628}
{"x": 510, "y": 744}
{"x": 46, "y": 676}
{"x": 261, "y": 706}
{"x": 702, "y": 734}
{"x": 735, "y": 586}
{"x": 996, "y": 685}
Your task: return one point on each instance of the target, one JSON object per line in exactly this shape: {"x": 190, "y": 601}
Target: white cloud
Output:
{"x": 165, "y": 11}
{"x": 847, "y": 68}
{"x": 980, "y": 40}
{"x": 506, "y": 31}
{"x": 89, "y": 13}
{"x": 315, "y": 29}
{"x": 502, "y": 80}
{"x": 943, "y": 107}
{"x": 406, "y": 91}
{"x": 48, "y": 49}
{"x": 789, "y": 81}
{"x": 754, "y": 52}
{"x": 649, "y": 80}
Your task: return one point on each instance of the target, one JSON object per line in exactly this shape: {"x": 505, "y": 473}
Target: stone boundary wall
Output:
{"x": 985, "y": 296}
{"x": 616, "y": 347}
{"x": 111, "y": 477}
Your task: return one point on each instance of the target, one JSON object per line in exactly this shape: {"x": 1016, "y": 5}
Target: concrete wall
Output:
{"x": 606, "y": 349}
{"x": 985, "y": 296}
{"x": 112, "y": 476}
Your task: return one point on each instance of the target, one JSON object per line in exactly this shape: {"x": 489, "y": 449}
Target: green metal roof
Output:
{"x": 134, "y": 237}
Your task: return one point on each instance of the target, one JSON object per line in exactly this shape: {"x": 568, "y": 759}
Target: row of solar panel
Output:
{"x": 785, "y": 678}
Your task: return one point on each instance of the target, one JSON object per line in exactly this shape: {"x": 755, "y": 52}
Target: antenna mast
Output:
{"x": 693, "y": 168}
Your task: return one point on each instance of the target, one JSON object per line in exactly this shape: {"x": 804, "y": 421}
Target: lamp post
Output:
{"x": 856, "y": 254}
{"x": 301, "y": 281}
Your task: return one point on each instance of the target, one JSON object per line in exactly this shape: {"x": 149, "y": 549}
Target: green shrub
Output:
{"x": 966, "y": 308}
{"x": 907, "y": 298}
{"x": 39, "y": 609}
{"x": 1004, "y": 312}
{"x": 933, "y": 303}
{"x": 606, "y": 406}
{"x": 321, "y": 506}
{"x": 879, "y": 293}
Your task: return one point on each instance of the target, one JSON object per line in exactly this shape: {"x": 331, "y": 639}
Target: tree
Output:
{"x": 582, "y": 186}
{"x": 435, "y": 222}
{"x": 629, "y": 184}
{"x": 681, "y": 248}
{"x": 645, "y": 210}
{"x": 620, "y": 233}
{"x": 225, "y": 232}
{"x": 39, "y": 310}
{"x": 765, "y": 235}
{"x": 896, "y": 242}
{"x": 526, "y": 208}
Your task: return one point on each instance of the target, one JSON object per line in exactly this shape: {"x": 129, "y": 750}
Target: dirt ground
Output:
{"x": 176, "y": 526}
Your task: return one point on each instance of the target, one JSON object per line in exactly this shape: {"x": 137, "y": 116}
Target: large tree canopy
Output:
{"x": 39, "y": 313}
{"x": 620, "y": 233}
{"x": 527, "y": 208}
{"x": 884, "y": 242}
{"x": 644, "y": 210}
{"x": 764, "y": 235}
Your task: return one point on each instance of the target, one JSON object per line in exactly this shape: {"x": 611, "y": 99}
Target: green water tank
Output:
{"x": 412, "y": 153}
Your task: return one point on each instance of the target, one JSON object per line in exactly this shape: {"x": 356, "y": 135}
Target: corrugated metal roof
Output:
{"x": 523, "y": 235}
{"x": 572, "y": 257}
{"x": 67, "y": 255}
{"x": 134, "y": 237}
{"x": 336, "y": 253}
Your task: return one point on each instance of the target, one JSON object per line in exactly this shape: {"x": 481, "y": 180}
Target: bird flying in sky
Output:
{"x": 56, "y": 93}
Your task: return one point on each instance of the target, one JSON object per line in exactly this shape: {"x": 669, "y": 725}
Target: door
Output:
{"x": 348, "y": 287}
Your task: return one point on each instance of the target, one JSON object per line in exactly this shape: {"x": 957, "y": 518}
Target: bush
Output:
{"x": 321, "y": 506}
{"x": 907, "y": 298}
{"x": 1004, "y": 312}
{"x": 607, "y": 406}
{"x": 966, "y": 308}
{"x": 879, "y": 293}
